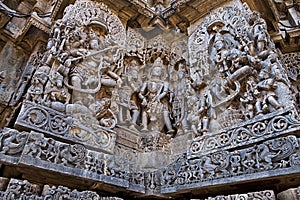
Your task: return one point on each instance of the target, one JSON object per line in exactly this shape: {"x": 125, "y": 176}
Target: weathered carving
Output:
{"x": 147, "y": 110}
{"x": 255, "y": 130}
{"x": 270, "y": 155}
{"x": 77, "y": 156}
{"x": 155, "y": 105}
{"x": 129, "y": 110}
{"x": 239, "y": 56}
{"x": 154, "y": 142}
{"x": 12, "y": 142}
{"x": 149, "y": 98}
{"x": 267, "y": 195}
{"x": 291, "y": 61}
{"x": 10, "y": 72}
{"x": 81, "y": 66}
{"x": 23, "y": 189}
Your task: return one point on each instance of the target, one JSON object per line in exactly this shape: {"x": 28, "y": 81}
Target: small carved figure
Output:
{"x": 12, "y": 142}
{"x": 193, "y": 107}
{"x": 103, "y": 113}
{"x": 248, "y": 99}
{"x": 55, "y": 90}
{"x": 178, "y": 85}
{"x": 259, "y": 32}
{"x": 267, "y": 96}
{"x": 204, "y": 111}
{"x": 154, "y": 100}
{"x": 36, "y": 90}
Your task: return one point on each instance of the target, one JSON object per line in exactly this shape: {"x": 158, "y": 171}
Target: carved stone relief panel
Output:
{"x": 279, "y": 153}
{"x": 148, "y": 98}
{"x": 23, "y": 189}
{"x": 77, "y": 77}
{"x": 93, "y": 164}
{"x": 266, "y": 195}
{"x": 147, "y": 82}
{"x": 236, "y": 74}
{"x": 151, "y": 110}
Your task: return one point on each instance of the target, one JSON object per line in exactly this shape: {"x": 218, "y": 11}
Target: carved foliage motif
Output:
{"x": 270, "y": 155}
{"x": 55, "y": 123}
{"x": 292, "y": 62}
{"x": 44, "y": 119}
{"x": 269, "y": 126}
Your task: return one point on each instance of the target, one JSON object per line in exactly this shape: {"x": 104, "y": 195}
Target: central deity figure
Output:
{"x": 154, "y": 96}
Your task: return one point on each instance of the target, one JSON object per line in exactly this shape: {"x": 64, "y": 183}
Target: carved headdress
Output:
{"x": 158, "y": 65}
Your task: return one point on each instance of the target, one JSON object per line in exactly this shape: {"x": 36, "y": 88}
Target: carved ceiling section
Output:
{"x": 125, "y": 104}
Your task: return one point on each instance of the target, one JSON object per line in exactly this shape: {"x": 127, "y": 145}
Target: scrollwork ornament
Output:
{"x": 259, "y": 128}
{"x": 37, "y": 117}
{"x": 242, "y": 134}
{"x": 196, "y": 146}
{"x": 59, "y": 125}
{"x": 224, "y": 139}
{"x": 279, "y": 123}
{"x": 210, "y": 143}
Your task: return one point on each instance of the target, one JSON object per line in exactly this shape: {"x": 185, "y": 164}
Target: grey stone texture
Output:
{"x": 157, "y": 99}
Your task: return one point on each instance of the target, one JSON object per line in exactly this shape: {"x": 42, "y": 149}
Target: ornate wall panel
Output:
{"x": 148, "y": 100}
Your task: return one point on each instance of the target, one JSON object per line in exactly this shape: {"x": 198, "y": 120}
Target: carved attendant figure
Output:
{"x": 127, "y": 103}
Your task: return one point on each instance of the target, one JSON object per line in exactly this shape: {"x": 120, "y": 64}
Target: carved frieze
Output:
{"x": 23, "y": 189}
{"x": 108, "y": 105}
{"x": 258, "y": 129}
{"x": 63, "y": 156}
{"x": 279, "y": 153}
{"x": 57, "y": 124}
{"x": 263, "y": 195}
